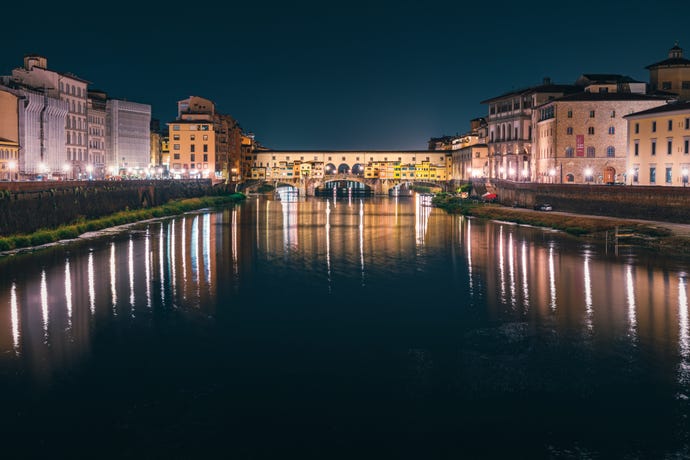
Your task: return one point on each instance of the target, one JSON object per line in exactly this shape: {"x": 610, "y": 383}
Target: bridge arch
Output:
{"x": 358, "y": 169}
{"x": 329, "y": 169}
{"x": 351, "y": 187}
{"x": 344, "y": 168}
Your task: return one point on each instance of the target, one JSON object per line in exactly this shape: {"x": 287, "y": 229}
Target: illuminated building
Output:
{"x": 9, "y": 135}
{"x": 672, "y": 74}
{"x": 658, "y": 145}
{"x": 582, "y": 138}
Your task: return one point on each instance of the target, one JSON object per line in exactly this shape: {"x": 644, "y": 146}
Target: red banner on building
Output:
{"x": 580, "y": 145}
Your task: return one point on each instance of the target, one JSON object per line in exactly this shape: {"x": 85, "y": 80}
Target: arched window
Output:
{"x": 610, "y": 151}
{"x": 568, "y": 152}
{"x": 344, "y": 168}
{"x": 612, "y": 130}
{"x": 590, "y": 152}
{"x": 569, "y": 178}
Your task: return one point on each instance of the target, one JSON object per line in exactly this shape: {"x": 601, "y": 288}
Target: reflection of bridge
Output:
{"x": 341, "y": 183}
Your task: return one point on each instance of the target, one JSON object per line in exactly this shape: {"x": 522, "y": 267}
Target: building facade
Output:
{"x": 95, "y": 117}
{"x": 582, "y": 138}
{"x": 9, "y": 135}
{"x": 73, "y": 91}
{"x": 658, "y": 145}
{"x": 192, "y": 148}
{"x": 128, "y": 137}
{"x": 510, "y": 128}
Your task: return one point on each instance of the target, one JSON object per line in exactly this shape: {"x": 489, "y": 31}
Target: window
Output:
{"x": 591, "y": 114}
{"x": 570, "y": 178}
{"x": 637, "y": 128}
{"x": 206, "y": 148}
{"x": 590, "y": 130}
{"x": 653, "y": 147}
{"x": 176, "y": 137}
{"x": 176, "y": 127}
{"x": 192, "y": 157}
{"x": 687, "y": 123}
{"x": 669, "y": 147}
{"x": 686, "y": 145}
{"x": 636, "y": 174}
{"x": 654, "y": 126}
{"x": 612, "y": 130}
{"x": 205, "y": 137}
{"x": 610, "y": 151}
{"x": 569, "y": 152}
{"x": 669, "y": 175}
{"x": 570, "y": 114}
{"x": 637, "y": 148}
{"x": 613, "y": 114}
{"x": 192, "y": 137}
{"x": 192, "y": 148}
{"x": 205, "y": 156}
{"x": 176, "y": 156}
{"x": 652, "y": 175}
{"x": 569, "y": 130}
{"x": 670, "y": 125}
{"x": 685, "y": 84}
{"x": 203, "y": 128}
{"x": 176, "y": 146}
{"x": 665, "y": 85}
{"x": 590, "y": 152}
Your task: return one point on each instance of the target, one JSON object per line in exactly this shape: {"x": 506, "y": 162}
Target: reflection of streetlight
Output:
{"x": 685, "y": 177}
{"x": 12, "y": 164}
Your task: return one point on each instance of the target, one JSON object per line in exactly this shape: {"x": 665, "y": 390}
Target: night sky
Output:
{"x": 341, "y": 75}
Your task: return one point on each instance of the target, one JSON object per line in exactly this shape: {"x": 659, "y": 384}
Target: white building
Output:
{"x": 96, "y": 115}
{"x": 42, "y": 135}
{"x": 128, "y": 135}
{"x": 70, "y": 89}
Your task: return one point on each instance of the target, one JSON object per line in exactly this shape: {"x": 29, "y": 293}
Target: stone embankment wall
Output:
{"x": 28, "y": 206}
{"x": 670, "y": 204}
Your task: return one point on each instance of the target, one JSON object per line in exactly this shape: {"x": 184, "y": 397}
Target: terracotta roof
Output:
{"x": 671, "y": 107}
{"x": 536, "y": 89}
{"x": 671, "y": 62}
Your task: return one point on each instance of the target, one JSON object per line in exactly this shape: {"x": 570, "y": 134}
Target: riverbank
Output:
{"x": 665, "y": 237}
{"x": 74, "y": 230}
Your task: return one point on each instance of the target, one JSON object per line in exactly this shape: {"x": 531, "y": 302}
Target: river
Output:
{"x": 338, "y": 328}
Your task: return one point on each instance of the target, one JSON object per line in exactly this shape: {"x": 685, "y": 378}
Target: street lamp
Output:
{"x": 685, "y": 177}
{"x": 552, "y": 173}
{"x": 632, "y": 175}
{"x": 12, "y": 164}
{"x": 588, "y": 174}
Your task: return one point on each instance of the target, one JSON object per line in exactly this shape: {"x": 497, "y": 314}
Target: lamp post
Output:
{"x": 588, "y": 174}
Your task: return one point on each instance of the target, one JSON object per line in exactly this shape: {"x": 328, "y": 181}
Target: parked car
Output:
{"x": 543, "y": 207}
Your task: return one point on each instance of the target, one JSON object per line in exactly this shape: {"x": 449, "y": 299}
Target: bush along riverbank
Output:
{"x": 82, "y": 226}
{"x": 598, "y": 228}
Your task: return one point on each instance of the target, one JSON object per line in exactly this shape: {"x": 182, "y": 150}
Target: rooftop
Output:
{"x": 668, "y": 108}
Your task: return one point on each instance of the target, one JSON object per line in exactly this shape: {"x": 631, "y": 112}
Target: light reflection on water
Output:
{"x": 455, "y": 293}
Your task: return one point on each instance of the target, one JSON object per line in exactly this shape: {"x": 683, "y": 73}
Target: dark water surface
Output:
{"x": 374, "y": 328}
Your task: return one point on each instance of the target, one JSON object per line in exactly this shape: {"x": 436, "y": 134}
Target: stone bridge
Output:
{"x": 309, "y": 186}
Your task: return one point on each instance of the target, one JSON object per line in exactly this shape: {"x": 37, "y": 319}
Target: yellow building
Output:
{"x": 9, "y": 136}
{"x": 671, "y": 75}
{"x": 659, "y": 145}
{"x": 192, "y": 150}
